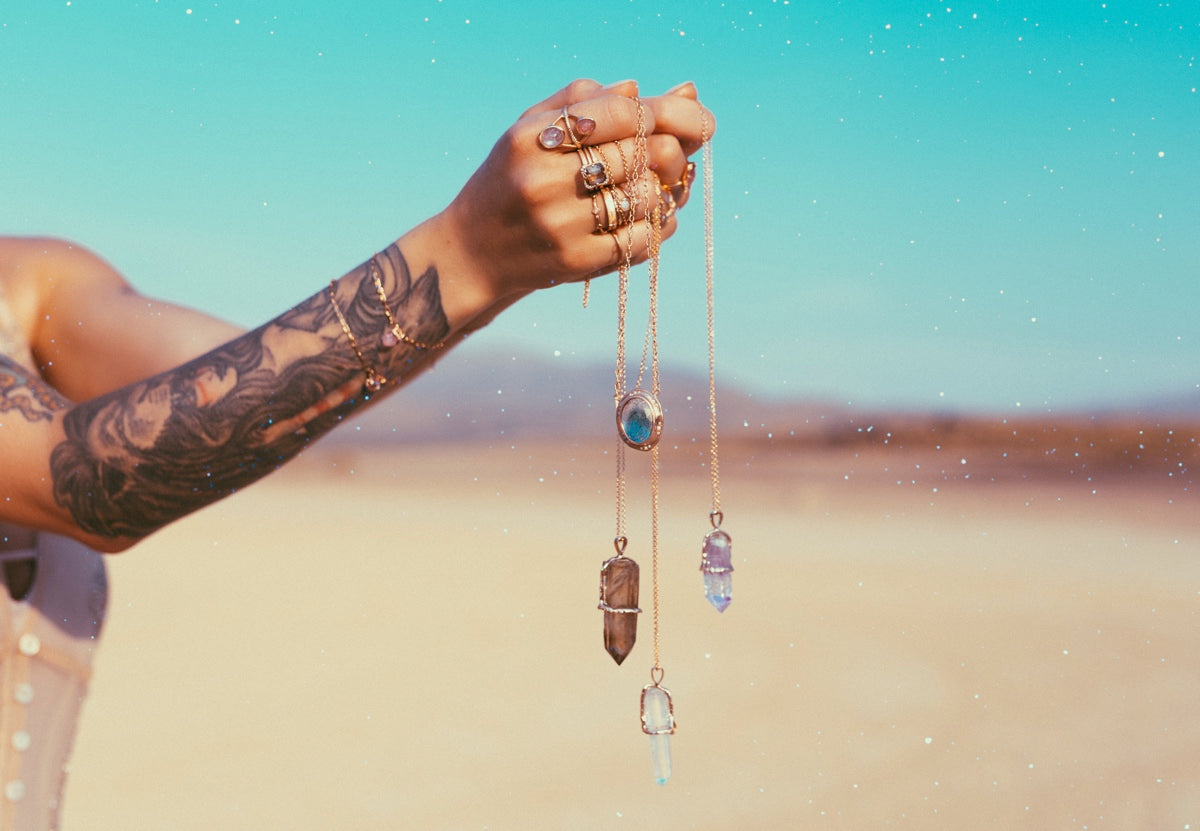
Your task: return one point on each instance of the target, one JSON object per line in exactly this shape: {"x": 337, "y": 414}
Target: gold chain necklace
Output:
{"x": 639, "y": 417}
{"x": 716, "y": 562}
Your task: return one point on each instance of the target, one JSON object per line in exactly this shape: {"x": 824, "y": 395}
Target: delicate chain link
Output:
{"x": 640, "y": 161}
{"x": 622, "y": 300}
{"x": 654, "y": 550}
{"x": 654, "y": 220}
{"x": 714, "y": 463}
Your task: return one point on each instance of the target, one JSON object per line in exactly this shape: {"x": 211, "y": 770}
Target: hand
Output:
{"x": 525, "y": 220}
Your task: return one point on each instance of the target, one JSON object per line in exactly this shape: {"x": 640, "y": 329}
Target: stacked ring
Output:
{"x": 593, "y": 169}
{"x": 624, "y": 205}
{"x": 573, "y": 131}
{"x": 622, "y": 255}
{"x": 666, "y": 201}
{"x": 685, "y": 182}
{"x": 618, "y": 209}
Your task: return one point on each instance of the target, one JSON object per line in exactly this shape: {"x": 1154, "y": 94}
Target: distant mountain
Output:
{"x": 479, "y": 396}
{"x": 517, "y": 396}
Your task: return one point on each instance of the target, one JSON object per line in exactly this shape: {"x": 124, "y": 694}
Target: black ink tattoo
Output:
{"x": 141, "y": 457}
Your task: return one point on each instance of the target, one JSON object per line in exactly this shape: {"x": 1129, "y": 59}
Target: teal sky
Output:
{"x": 975, "y": 205}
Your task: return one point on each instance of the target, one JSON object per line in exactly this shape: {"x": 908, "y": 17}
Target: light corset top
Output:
{"x": 47, "y": 643}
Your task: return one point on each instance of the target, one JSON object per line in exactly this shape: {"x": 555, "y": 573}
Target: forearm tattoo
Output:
{"x": 138, "y": 458}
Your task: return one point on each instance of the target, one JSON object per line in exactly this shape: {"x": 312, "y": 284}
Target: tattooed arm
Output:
{"x": 125, "y": 463}
{"x": 141, "y": 449}
{"x": 130, "y": 461}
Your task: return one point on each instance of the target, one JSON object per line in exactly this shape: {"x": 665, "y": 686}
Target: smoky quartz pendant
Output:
{"x": 619, "y": 602}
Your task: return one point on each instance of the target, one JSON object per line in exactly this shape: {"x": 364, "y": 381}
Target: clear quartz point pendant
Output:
{"x": 640, "y": 420}
{"x": 717, "y": 565}
{"x": 658, "y": 722}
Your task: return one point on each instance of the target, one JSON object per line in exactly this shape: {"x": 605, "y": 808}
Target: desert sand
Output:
{"x": 408, "y": 638}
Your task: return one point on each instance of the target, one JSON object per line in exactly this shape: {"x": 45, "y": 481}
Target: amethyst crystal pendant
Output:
{"x": 717, "y": 566}
{"x": 640, "y": 420}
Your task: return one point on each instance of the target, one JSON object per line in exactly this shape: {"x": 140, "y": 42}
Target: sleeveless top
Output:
{"x": 47, "y": 641}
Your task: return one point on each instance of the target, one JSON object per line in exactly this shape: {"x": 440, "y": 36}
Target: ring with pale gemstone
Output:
{"x": 623, "y": 205}
{"x": 566, "y": 132}
{"x": 618, "y": 209}
{"x": 593, "y": 169}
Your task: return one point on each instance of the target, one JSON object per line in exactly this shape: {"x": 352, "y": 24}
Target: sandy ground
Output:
{"x": 410, "y": 640}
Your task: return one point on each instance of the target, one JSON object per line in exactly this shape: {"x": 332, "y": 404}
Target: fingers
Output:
{"x": 596, "y": 173}
{"x": 630, "y": 244}
{"x": 619, "y": 206}
{"x": 582, "y": 90}
{"x": 571, "y": 93}
{"x": 620, "y": 161}
{"x": 614, "y": 111}
{"x": 680, "y": 114}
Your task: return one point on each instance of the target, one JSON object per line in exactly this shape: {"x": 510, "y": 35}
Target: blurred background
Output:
{"x": 956, "y": 280}
{"x": 978, "y": 205}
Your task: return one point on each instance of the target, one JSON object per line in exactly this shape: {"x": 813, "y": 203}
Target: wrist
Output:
{"x": 469, "y": 294}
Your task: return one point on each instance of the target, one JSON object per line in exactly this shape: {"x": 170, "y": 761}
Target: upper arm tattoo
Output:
{"x": 24, "y": 393}
{"x": 140, "y": 457}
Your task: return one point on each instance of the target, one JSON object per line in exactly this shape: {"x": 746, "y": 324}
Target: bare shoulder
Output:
{"x": 89, "y": 330}
{"x": 50, "y": 256}
{"x": 35, "y": 269}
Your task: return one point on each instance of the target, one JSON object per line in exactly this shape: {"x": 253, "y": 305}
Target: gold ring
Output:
{"x": 666, "y": 201}
{"x": 596, "y": 213}
{"x": 572, "y": 132}
{"x": 623, "y": 205}
{"x": 610, "y": 211}
{"x": 621, "y": 255}
{"x": 685, "y": 182}
{"x": 593, "y": 169}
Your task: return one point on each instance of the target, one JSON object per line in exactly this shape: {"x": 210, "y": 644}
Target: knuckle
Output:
{"x": 581, "y": 88}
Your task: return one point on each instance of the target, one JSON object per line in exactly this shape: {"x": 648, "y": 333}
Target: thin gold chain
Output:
{"x": 640, "y": 150}
{"x": 654, "y": 220}
{"x": 714, "y": 462}
{"x": 654, "y": 553}
{"x": 622, "y": 300}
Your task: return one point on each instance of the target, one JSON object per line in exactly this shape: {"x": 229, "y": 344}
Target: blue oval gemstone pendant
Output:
{"x": 640, "y": 420}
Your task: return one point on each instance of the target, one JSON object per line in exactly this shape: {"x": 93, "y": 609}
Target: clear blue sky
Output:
{"x": 975, "y": 205}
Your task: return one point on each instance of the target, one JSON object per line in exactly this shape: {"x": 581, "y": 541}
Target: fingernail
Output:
{"x": 629, "y": 82}
{"x": 687, "y": 87}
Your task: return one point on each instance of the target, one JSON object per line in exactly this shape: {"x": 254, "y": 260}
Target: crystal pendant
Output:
{"x": 618, "y": 601}
{"x": 640, "y": 420}
{"x": 658, "y": 721}
{"x": 717, "y": 566}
